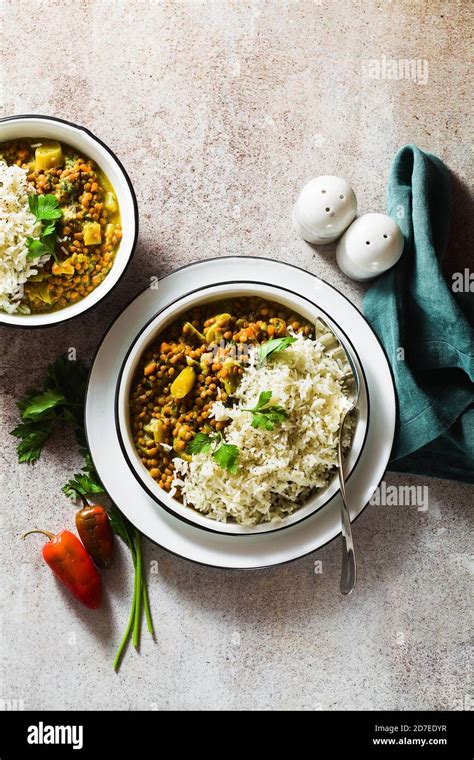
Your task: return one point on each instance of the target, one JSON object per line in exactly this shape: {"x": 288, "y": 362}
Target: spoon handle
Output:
{"x": 349, "y": 567}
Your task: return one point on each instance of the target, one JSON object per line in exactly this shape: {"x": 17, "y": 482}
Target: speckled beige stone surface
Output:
{"x": 221, "y": 111}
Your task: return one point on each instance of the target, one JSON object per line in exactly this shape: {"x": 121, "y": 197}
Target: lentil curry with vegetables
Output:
{"x": 196, "y": 361}
{"x": 80, "y": 217}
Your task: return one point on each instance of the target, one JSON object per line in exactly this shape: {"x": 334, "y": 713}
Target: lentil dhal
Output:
{"x": 198, "y": 359}
{"x": 88, "y": 230}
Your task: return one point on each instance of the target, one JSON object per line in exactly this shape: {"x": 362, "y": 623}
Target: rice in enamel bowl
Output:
{"x": 277, "y": 469}
{"x": 17, "y": 223}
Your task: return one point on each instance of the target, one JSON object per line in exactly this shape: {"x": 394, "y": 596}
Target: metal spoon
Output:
{"x": 351, "y": 386}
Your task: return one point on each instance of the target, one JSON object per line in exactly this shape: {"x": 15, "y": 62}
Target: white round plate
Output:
{"x": 186, "y": 540}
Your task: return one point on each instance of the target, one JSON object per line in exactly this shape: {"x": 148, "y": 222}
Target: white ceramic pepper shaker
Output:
{"x": 370, "y": 246}
{"x": 324, "y": 209}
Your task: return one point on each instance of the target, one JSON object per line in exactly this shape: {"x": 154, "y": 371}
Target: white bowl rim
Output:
{"x": 22, "y": 321}
{"x": 195, "y": 518}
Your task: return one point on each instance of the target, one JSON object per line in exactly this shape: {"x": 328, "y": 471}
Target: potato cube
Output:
{"x": 110, "y": 203}
{"x": 109, "y": 232}
{"x": 49, "y": 155}
{"x": 92, "y": 233}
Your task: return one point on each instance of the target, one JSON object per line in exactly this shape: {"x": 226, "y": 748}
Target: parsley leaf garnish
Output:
{"x": 44, "y": 206}
{"x": 200, "y": 444}
{"x": 263, "y": 400}
{"x": 273, "y": 346}
{"x": 266, "y": 415}
{"x": 48, "y": 230}
{"x": 36, "y": 247}
{"x": 33, "y": 202}
{"x": 225, "y": 454}
{"x": 46, "y": 209}
{"x": 42, "y": 246}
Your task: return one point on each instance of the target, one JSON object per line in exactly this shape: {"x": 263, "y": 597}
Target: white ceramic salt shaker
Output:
{"x": 371, "y": 245}
{"x": 324, "y": 209}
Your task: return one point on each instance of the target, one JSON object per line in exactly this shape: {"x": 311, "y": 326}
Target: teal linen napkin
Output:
{"x": 426, "y": 335}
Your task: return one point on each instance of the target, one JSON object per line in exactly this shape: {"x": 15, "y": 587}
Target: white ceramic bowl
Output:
{"x": 17, "y": 127}
{"x": 151, "y": 331}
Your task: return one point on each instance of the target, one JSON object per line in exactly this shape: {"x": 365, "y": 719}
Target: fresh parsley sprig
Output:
{"x": 84, "y": 482}
{"x": 61, "y": 400}
{"x": 274, "y": 345}
{"x": 266, "y": 415}
{"x": 46, "y": 210}
{"x": 225, "y": 454}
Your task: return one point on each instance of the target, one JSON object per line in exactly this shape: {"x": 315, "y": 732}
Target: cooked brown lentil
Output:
{"x": 199, "y": 358}
{"x": 83, "y": 192}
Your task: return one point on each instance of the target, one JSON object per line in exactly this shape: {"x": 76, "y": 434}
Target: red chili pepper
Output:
{"x": 93, "y": 526}
{"x": 71, "y": 563}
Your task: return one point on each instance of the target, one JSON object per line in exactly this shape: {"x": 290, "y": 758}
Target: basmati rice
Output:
{"x": 280, "y": 468}
{"x": 17, "y": 223}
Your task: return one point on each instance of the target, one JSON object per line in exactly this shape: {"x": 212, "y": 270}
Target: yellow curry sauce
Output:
{"x": 88, "y": 231}
{"x": 196, "y": 361}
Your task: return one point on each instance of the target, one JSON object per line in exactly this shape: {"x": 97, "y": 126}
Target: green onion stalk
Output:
{"x": 140, "y": 596}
